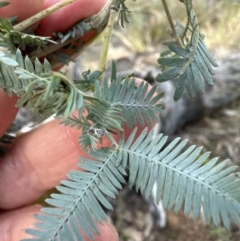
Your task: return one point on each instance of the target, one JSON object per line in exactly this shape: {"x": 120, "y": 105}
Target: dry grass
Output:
{"x": 219, "y": 21}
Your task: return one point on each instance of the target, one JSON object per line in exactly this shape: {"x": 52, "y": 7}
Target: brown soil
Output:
{"x": 134, "y": 222}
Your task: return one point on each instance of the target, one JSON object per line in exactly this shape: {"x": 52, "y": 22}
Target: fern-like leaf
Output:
{"x": 77, "y": 30}
{"x": 186, "y": 179}
{"x": 105, "y": 116}
{"x": 87, "y": 83}
{"x": 190, "y": 64}
{"x": 38, "y": 88}
{"x": 88, "y": 141}
{"x": 123, "y": 12}
{"x": 13, "y": 39}
{"x": 135, "y": 103}
{"x": 73, "y": 121}
{"x": 81, "y": 201}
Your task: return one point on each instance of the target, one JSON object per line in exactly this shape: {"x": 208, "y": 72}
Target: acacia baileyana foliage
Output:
{"x": 185, "y": 178}
{"x": 191, "y": 62}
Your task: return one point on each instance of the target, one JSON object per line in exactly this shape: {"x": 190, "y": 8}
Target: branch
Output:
{"x": 169, "y": 17}
{"x": 107, "y": 37}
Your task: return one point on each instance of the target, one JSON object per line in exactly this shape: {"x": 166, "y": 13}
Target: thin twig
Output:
{"x": 30, "y": 21}
{"x": 169, "y": 17}
{"x": 106, "y": 40}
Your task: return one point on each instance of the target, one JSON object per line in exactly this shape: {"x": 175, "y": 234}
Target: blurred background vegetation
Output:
{"x": 148, "y": 27}
{"x": 219, "y": 21}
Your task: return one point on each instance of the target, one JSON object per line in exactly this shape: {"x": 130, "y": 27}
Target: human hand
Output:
{"x": 39, "y": 159}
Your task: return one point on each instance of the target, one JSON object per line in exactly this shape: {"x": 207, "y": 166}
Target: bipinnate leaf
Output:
{"x": 186, "y": 179}
{"x": 13, "y": 39}
{"x": 37, "y": 88}
{"x": 81, "y": 201}
{"x": 189, "y": 64}
{"x": 134, "y": 105}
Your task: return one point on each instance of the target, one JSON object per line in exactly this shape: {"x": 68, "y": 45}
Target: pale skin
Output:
{"x": 41, "y": 158}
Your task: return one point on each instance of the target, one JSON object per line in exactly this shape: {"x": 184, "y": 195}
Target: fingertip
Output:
{"x": 13, "y": 223}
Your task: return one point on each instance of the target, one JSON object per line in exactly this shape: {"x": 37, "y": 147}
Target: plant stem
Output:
{"x": 30, "y": 21}
{"x": 169, "y": 17}
{"x": 106, "y": 40}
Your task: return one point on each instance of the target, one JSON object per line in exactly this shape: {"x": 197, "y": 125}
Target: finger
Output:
{"x": 13, "y": 223}
{"x": 21, "y": 8}
{"x": 37, "y": 162}
{"x": 8, "y": 111}
{"x": 67, "y": 16}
